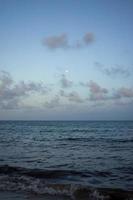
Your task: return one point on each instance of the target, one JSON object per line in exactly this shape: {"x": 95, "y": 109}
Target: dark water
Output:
{"x": 91, "y": 160}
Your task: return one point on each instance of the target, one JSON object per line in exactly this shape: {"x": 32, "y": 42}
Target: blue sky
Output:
{"x": 66, "y": 59}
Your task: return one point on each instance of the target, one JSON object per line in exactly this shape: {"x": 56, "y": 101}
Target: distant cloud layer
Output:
{"x": 62, "y": 42}
{"x": 12, "y": 93}
{"x": 124, "y": 92}
{"x": 113, "y": 71}
{"x": 72, "y": 96}
{"x": 53, "y": 103}
{"x": 98, "y": 93}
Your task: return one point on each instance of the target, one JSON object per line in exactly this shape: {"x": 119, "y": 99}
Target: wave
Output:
{"x": 50, "y": 174}
{"x": 37, "y": 173}
{"x": 45, "y": 182}
{"x": 91, "y": 139}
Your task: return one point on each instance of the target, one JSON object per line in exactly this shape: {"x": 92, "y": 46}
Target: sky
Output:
{"x": 66, "y": 60}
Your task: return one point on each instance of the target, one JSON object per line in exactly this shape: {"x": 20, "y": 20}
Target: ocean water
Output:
{"x": 67, "y": 159}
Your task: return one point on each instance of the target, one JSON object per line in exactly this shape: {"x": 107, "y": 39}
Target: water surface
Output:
{"x": 95, "y": 154}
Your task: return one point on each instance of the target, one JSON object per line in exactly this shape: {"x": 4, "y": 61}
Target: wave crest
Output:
{"x": 18, "y": 179}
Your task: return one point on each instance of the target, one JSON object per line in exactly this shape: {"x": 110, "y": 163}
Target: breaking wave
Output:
{"x": 46, "y": 182}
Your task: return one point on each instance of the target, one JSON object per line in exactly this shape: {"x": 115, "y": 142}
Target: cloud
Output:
{"x": 55, "y": 42}
{"x": 65, "y": 83}
{"x": 24, "y": 88}
{"x": 9, "y": 104}
{"x": 95, "y": 88}
{"x": 122, "y": 96}
{"x": 5, "y": 80}
{"x": 72, "y": 96}
{"x": 88, "y": 38}
{"x": 22, "y": 95}
{"x": 124, "y": 92}
{"x": 61, "y": 41}
{"x": 97, "y": 93}
{"x": 114, "y": 71}
{"x": 12, "y": 94}
{"x": 53, "y": 103}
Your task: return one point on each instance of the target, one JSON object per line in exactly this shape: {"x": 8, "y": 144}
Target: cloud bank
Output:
{"x": 13, "y": 94}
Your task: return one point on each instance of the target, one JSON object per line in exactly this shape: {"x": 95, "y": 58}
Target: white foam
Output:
{"x": 96, "y": 196}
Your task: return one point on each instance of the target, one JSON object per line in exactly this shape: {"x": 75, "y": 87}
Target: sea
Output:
{"x": 64, "y": 160}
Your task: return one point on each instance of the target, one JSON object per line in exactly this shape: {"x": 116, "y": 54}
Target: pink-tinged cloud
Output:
{"x": 62, "y": 42}
{"x": 124, "y": 92}
{"x": 12, "y": 93}
{"x": 55, "y": 42}
{"x": 88, "y": 38}
{"x": 95, "y": 88}
{"x": 96, "y": 92}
